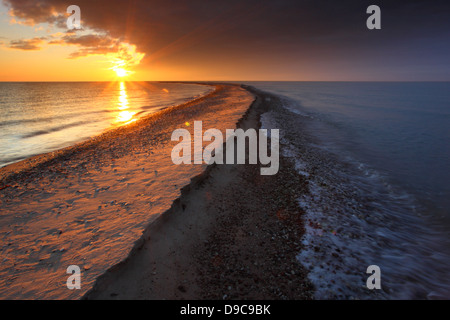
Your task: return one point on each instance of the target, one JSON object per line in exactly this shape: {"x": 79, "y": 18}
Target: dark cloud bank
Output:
{"x": 275, "y": 36}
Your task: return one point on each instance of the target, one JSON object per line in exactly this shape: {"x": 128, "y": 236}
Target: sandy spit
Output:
{"x": 91, "y": 204}
{"x": 232, "y": 234}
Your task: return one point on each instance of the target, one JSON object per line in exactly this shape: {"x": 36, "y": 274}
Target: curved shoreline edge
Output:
{"x": 9, "y": 172}
{"x": 231, "y": 233}
{"x": 190, "y": 266}
{"x": 108, "y": 277}
{"x": 87, "y": 204}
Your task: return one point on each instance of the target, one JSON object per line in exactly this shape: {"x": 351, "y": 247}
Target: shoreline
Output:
{"x": 88, "y": 204}
{"x": 232, "y": 234}
{"x": 107, "y": 133}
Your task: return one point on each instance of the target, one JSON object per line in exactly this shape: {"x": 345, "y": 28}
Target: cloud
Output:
{"x": 157, "y": 29}
{"x": 154, "y": 25}
{"x": 100, "y": 41}
{"x": 258, "y": 32}
{"x": 27, "y": 44}
{"x": 31, "y": 12}
{"x": 91, "y": 40}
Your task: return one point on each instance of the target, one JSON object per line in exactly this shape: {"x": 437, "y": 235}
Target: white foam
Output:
{"x": 355, "y": 218}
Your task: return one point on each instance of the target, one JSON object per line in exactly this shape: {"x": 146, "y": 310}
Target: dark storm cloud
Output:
{"x": 288, "y": 29}
{"x": 155, "y": 23}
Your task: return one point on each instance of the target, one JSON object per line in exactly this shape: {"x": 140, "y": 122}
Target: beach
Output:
{"x": 140, "y": 227}
{"x": 293, "y": 150}
{"x": 90, "y": 204}
{"x": 233, "y": 234}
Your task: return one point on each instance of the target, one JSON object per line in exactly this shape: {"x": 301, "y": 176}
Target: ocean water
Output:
{"x": 377, "y": 160}
{"x": 40, "y": 117}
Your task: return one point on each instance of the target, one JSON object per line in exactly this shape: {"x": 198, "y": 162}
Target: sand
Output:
{"x": 108, "y": 206}
{"x": 88, "y": 205}
{"x": 233, "y": 234}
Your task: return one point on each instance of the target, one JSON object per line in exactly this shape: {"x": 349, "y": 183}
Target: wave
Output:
{"x": 56, "y": 117}
{"x": 354, "y": 218}
{"x": 55, "y": 129}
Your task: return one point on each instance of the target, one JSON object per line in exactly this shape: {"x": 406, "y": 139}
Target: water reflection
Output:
{"x": 123, "y": 97}
{"x": 124, "y": 116}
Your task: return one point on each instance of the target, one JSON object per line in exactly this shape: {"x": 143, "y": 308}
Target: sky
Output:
{"x": 233, "y": 40}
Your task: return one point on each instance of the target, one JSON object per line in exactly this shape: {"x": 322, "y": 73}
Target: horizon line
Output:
{"x": 218, "y": 81}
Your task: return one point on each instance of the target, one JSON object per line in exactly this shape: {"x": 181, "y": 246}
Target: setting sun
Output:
{"x": 121, "y": 72}
{"x": 120, "y": 65}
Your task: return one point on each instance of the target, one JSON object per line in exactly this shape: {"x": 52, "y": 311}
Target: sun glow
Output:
{"x": 121, "y": 72}
{"x": 119, "y": 68}
{"x": 124, "y": 59}
{"x": 125, "y": 117}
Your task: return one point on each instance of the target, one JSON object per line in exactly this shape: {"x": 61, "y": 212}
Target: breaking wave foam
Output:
{"x": 355, "y": 218}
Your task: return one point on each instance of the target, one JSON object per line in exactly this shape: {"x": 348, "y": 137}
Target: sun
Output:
{"x": 119, "y": 68}
{"x": 121, "y": 72}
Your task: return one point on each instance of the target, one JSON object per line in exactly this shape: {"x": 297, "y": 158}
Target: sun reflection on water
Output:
{"x": 124, "y": 116}
{"x": 123, "y": 97}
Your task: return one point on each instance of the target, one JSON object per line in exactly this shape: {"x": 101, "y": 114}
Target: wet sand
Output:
{"x": 89, "y": 204}
{"x": 233, "y": 234}
{"x": 108, "y": 206}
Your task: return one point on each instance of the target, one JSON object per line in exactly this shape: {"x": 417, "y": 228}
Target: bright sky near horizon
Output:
{"x": 236, "y": 40}
{"x": 37, "y": 59}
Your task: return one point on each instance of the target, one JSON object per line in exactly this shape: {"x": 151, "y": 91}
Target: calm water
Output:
{"x": 400, "y": 129}
{"x": 41, "y": 117}
{"x": 377, "y": 156}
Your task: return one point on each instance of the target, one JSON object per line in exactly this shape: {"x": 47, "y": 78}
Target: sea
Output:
{"x": 376, "y": 156}
{"x": 40, "y": 117}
